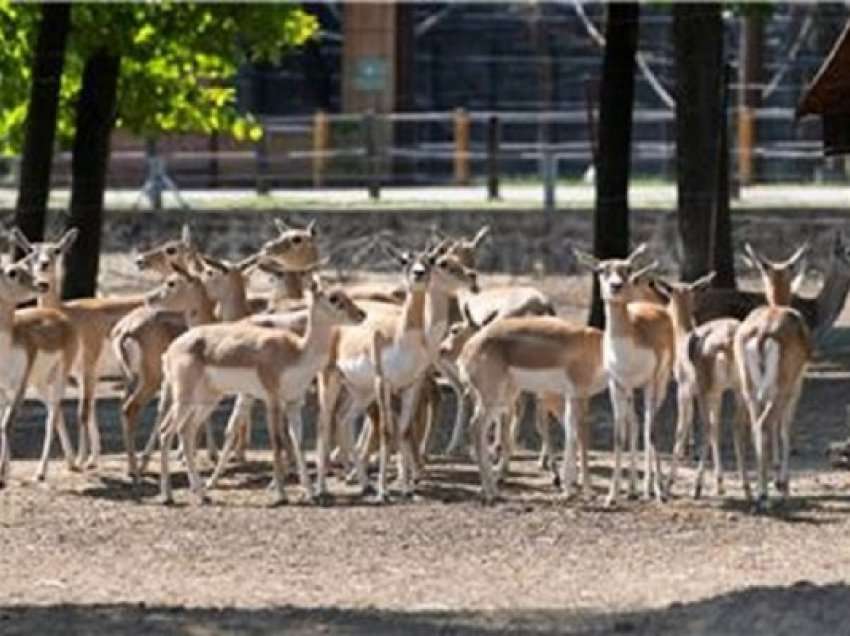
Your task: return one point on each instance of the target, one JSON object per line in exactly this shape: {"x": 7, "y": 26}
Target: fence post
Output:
{"x": 213, "y": 166}
{"x": 154, "y": 181}
{"x": 261, "y": 164}
{"x": 371, "y": 143}
{"x": 493, "y": 137}
{"x": 321, "y": 138}
{"x": 461, "y": 147}
{"x": 550, "y": 178}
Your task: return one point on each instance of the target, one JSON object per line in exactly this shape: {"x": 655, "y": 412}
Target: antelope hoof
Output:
{"x": 368, "y": 491}
{"x": 380, "y": 499}
{"x": 698, "y": 491}
{"x": 279, "y": 501}
{"x": 202, "y": 499}
{"x": 719, "y": 489}
{"x": 543, "y": 462}
{"x": 611, "y": 502}
{"x": 782, "y": 487}
{"x": 166, "y": 500}
{"x": 556, "y": 480}
{"x": 91, "y": 464}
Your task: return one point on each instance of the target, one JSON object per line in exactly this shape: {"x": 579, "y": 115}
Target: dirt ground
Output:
{"x": 85, "y": 554}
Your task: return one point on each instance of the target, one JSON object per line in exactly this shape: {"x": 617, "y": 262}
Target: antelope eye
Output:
{"x": 444, "y": 265}
{"x": 171, "y": 250}
{"x": 13, "y": 273}
{"x": 172, "y": 284}
{"x": 54, "y": 252}
{"x": 296, "y": 240}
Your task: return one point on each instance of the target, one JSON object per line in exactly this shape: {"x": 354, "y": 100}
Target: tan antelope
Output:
{"x": 509, "y": 301}
{"x": 94, "y": 318}
{"x": 638, "y": 352}
{"x": 820, "y": 312}
{"x": 772, "y": 349}
{"x": 140, "y": 339}
{"x": 208, "y": 362}
{"x": 390, "y": 353}
{"x": 39, "y": 346}
{"x": 546, "y": 356}
{"x": 704, "y": 370}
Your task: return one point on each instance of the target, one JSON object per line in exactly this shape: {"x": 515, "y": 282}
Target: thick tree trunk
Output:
{"x": 94, "y": 121}
{"x": 698, "y": 41}
{"x": 616, "y": 97}
{"x": 37, "y": 155}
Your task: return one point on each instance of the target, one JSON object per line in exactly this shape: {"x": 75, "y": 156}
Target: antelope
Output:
{"x": 494, "y": 302}
{"x": 93, "y": 318}
{"x": 544, "y": 355}
{"x": 274, "y": 365}
{"x": 638, "y": 353}
{"x": 39, "y": 346}
{"x": 390, "y": 353}
{"x": 141, "y": 337}
{"x": 820, "y": 312}
{"x": 772, "y": 349}
{"x": 704, "y": 370}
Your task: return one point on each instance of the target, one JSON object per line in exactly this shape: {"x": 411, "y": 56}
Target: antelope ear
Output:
{"x": 799, "y": 278}
{"x": 480, "y": 236}
{"x": 440, "y": 248}
{"x": 178, "y": 269}
{"x": 752, "y": 259}
{"x": 489, "y": 318}
{"x": 247, "y": 263}
{"x": 213, "y": 263}
{"x": 643, "y": 271}
{"x": 18, "y": 237}
{"x": 311, "y": 228}
{"x": 640, "y": 250}
{"x": 68, "y": 239}
{"x": 314, "y": 285}
{"x": 281, "y": 226}
{"x": 467, "y": 316}
{"x": 587, "y": 260}
{"x": 186, "y": 234}
{"x": 796, "y": 257}
{"x": 663, "y": 288}
{"x": 704, "y": 282}
{"x": 393, "y": 252}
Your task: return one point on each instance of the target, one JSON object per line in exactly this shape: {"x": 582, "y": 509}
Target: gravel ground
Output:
{"x": 85, "y": 554}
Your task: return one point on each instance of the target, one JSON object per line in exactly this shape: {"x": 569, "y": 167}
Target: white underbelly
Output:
{"x": 232, "y": 380}
{"x": 542, "y": 380}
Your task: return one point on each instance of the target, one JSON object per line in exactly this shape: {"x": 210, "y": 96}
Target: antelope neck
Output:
{"x": 234, "y": 305}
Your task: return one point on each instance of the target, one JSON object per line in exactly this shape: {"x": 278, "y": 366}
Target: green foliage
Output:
{"x": 178, "y": 61}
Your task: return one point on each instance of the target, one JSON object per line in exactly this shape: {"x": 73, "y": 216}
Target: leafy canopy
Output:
{"x": 178, "y": 61}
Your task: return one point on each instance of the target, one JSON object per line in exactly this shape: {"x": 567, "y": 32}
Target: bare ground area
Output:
{"x": 85, "y": 554}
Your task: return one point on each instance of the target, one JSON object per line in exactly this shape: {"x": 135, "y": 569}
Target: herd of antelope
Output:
{"x": 377, "y": 353}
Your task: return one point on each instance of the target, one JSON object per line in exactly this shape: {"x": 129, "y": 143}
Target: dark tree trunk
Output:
{"x": 613, "y": 159}
{"x": 37, "y": 155}
{"x": 724, "y": 255}
{"x": 698, "y": 42}
{"x": 94, "y": 121}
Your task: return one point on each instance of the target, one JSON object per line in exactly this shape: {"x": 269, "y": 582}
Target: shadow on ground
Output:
{"x": 800, "y": 609}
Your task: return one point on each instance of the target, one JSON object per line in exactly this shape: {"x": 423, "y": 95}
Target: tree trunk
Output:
{"x": 698, "y": 42}
{"x": 724, "y": 254}
{"x": 616, "y": 97}
{"x": 94, "y": 121}
{"x": 37, "y": 154}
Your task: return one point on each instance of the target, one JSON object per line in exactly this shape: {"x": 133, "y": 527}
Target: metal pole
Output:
{"x": 154, "y": 182}
{"x": 493, "y": 136}
{"x": 369, "y": 134}
{"x": 550, "y": 178}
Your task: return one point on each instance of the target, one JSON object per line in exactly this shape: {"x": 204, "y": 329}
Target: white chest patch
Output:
{"x": 629, "y": 365}
{"x": 542, "y": 380}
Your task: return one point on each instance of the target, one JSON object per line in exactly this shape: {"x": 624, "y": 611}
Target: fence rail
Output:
{"x": 457, "y": 147}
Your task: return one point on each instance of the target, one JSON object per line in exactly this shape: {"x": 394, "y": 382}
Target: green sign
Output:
{"x": 370, "y": 74}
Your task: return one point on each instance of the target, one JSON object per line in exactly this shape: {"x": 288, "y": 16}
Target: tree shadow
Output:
{"x": 802, "y": 608}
